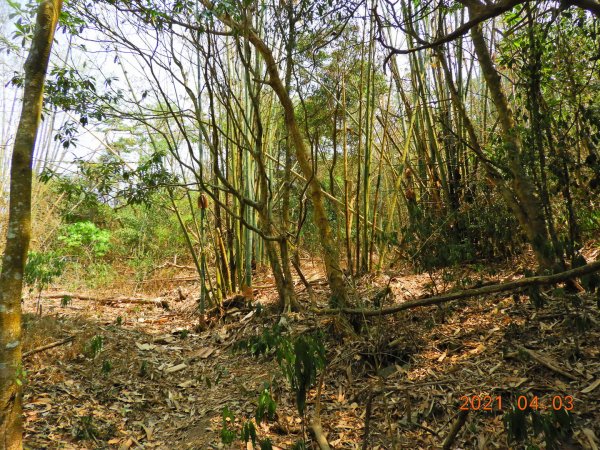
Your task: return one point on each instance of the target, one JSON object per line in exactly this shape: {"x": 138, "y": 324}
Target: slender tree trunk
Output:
{"x": 284, "y": 249}
{"x": 531, "y": 217}
{"x": 359, "y": 166}
{"x": 534, "y": 98}
{"x": 369, "y": 119}
{"x": 337, "y": 284}
{"x": 348, "y": 217}
{"x": 19, "y": 227}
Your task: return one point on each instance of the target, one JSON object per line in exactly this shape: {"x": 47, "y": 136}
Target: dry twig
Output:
{"x": 546, "y": 363}
{"x": 456, "y": 426}
{"x": 48, "y": 346}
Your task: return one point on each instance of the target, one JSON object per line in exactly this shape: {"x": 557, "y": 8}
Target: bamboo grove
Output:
{"x": 368, "y": 133}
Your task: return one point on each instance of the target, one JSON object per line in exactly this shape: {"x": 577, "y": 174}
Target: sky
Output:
{"x": 97, "y": 59}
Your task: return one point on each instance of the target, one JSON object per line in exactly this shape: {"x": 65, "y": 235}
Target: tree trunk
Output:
{"x": 19, "y": 227}
{"x": 330, "y": 252}
{"x": 531, "y": 217}
{"x": 339, "y": 293}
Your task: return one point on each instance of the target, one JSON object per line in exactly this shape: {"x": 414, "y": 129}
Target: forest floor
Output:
{"x": 142, "y": 376}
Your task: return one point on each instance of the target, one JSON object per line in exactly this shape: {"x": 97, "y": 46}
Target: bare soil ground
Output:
{"x": 158, "y": 380}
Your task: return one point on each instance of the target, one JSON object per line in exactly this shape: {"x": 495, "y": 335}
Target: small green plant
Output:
{"x": 300, "y": 361}
{"x": 264, "y": 343}
{"x": 65, "y": 301}
{"x": 299, "y": 358}
{"x": 248, "y": 430}
{"x": 227, "y": 434}
{"x": 144, "y": 369}
{"x": 106, "y": 366}
{"x": 299, "y": 445}
{"x": 119, "y": 321}
{"x": 266, "y": 444}
{"x": 266, "y": 406}
{"x": 98, "y": 274}
{"x": 94, "y": 347}
{"x": 86, "y": 429}
{"x": 249, "y": 433}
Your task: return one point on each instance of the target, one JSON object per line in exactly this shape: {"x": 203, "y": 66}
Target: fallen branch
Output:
{"x": 456, "y": 426}
{"x": 136, "y": 301}
{"x": 315, "y": 424}
{"x": 164, "y": 280}
{"x": 539, "y": 280}
{"x": 170, "y": 264}
{"x": 367, "y": 428}
{"x": 546, "y": 363}
{"x": 109, "y": 300}
{"x": 47, "y": 346}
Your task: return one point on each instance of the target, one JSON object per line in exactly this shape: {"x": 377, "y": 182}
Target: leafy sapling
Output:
{"x": 94, "y": 347}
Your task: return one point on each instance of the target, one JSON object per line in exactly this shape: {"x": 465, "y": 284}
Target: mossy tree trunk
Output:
{"x": 530, "y": 213}
{"x": 19, "y": 226}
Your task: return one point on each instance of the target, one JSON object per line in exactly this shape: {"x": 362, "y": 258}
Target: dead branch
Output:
{"x": 136, "y": 301}
{"x": 311, "y": 292}
{"x": 48, "y": 346}
{"x": 108, "y": 300}
{"x": 456, "y": 426}
{"x": 315, "y": 424}
{"x": 546, "y": 363}
{"x": 316, "y": 428}
{"x": 367, "y": 431}
{"x": 163, "y": 280}
{"x": 539, "y": 280}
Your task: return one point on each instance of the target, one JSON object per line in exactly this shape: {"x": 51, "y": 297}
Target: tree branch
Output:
{"x": 540, "y": 280}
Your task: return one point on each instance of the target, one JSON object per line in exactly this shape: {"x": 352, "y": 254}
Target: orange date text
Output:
{"x": 480, "y": 403}
{"x": 521, "y": 402}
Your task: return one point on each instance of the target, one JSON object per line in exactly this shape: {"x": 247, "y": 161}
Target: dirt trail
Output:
{"x": 159, "y": 382}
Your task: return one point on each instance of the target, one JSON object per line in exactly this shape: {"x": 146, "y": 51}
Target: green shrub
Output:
{"x": 86, "y": 239}
{"x": 42, "y": 268}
